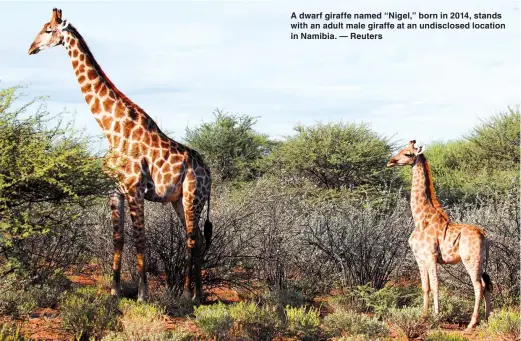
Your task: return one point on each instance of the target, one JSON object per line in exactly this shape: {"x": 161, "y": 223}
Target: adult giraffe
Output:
{"x": 436, "y": 239}
{"x": 148, "y": 165}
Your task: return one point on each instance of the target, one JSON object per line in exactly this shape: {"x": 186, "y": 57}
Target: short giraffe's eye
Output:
{"x": 409, "y": 155}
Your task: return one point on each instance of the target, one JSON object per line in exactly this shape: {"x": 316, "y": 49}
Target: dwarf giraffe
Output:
{"x": 147, "y": 164}
{"x": 436, "y": 239}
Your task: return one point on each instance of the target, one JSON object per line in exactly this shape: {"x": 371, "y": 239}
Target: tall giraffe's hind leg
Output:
{"x": 137, "y": 214}
{"x": 180, "y": 210}
{"x": 192, "y": 211}
{"x": 117, "y": 207}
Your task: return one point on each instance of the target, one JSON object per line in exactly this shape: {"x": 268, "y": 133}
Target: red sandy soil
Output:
{"x": 45, "y": 324}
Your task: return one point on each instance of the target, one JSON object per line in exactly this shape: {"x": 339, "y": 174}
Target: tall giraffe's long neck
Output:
{"x": 117, "y": 116}
{"x": 423, "y": 197}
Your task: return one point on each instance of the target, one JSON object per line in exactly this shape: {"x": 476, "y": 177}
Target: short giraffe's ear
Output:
{"x": 412, "y": 143}
{"x": 420, "y": 150}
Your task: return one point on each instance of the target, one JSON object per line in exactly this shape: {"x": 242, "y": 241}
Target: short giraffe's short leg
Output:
{"x": 117, "y": 207}
{"x": 424, "y": 276}
{"x": 136, "y": 206}
{"x": 474, "y": 266}
{"x": 433, "y": 284}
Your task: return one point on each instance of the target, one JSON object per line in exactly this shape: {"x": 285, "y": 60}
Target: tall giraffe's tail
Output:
{"x": 208, "y": 226}
{"x": 485, "y": 276}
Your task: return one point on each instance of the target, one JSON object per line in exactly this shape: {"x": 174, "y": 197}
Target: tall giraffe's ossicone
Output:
{"x": 147, "y": 164}
{"x": 436, "y": 239}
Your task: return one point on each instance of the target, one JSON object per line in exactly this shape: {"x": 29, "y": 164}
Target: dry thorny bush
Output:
{"x": 266, "y": 236}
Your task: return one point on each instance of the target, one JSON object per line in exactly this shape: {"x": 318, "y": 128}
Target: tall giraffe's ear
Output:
{"x": 412, "y": 143}
{"x": 420, "y": 150}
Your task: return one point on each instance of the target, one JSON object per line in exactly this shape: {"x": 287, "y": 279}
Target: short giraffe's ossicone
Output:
{"x": 437, "y": 240}
{"x": 146, "y": 163}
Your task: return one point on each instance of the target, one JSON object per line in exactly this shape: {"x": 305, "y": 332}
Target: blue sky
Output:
{"x": 180, "y": 60}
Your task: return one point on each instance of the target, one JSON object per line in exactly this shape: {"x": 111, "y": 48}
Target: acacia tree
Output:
{"x": 47, "y": 177}
{"x": 482, "y": 165}
{"x": 231, "y": 146}
{"x": 334, "y": 156}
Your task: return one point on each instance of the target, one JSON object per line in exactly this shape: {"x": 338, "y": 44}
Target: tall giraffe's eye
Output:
{"x": 409, "y": 155}
{"x": 49, "y": 31}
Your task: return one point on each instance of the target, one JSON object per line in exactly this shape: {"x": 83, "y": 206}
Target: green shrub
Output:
{"x": 444, "y": 336}
{"x": 504, "y": 324}
{"x": 411, "y": 321}
{"x": 454, "y": 308}
{"x": 364, "y": 298}
{"x": 17, "y": 303}
{"x": 21, "y": 297}
{"x": 283, "y": 298}
{"x": 380, "y": 301}
{"x": 177, "y": 335}
{"x": 254, "y": 323}
{"x": 87, "y": 312}
{"x": 360, "y": 338}
{"x": 10, "y": 332}
{"x": 141, "y": 321}
{"x": 214, "y": 320}
{"x": 172, "y": 303}
{"x": 303, "y": 322}
{"x": 345, "y": 322}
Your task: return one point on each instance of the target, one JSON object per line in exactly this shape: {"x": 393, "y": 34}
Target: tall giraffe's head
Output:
{"x": 52, "y": 33}
{"x": 406, "y": 156}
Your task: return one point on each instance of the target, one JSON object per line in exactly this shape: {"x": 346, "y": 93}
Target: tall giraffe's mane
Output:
{"x": 133, "y": 107}
{"x": 431, "y": 195}
{"x": 150, "y": 125}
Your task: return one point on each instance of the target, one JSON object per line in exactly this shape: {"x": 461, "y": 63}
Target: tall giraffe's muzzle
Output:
{"x": 34, "y": 49}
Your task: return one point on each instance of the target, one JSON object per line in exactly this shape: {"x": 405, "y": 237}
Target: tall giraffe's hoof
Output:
{"x": 115, "y": 291}
{"x": 186, "y": 296}
{"x": 198, "y": 298}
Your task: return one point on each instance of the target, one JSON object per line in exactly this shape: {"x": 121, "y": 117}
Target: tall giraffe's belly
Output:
{"x": 161, "y": 187}
{"x": 163, "y": 193}
{"x": 449, "y": 254}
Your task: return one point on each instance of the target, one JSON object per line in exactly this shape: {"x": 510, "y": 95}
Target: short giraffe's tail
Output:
{"x": 488, "y": 282}
{"x": 208, "y": 227}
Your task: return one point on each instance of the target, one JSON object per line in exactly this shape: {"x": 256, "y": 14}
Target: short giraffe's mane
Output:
{"x": 430, "y": 188}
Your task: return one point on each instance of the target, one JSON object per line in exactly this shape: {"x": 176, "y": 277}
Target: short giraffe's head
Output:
{"x": 406, "y": 156}
{"x": 51, "y": 34}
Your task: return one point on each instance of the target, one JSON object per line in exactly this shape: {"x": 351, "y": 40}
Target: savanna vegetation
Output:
{"x": 310, "y": 235}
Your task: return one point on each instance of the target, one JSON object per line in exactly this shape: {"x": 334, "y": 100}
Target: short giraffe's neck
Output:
{"x": 118, "y": 116}
{"x": 423, "y": 198}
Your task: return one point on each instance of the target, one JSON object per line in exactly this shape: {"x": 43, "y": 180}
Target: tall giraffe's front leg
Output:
{"x": 117, "y": 207}
{"x": 137, "y": 214}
